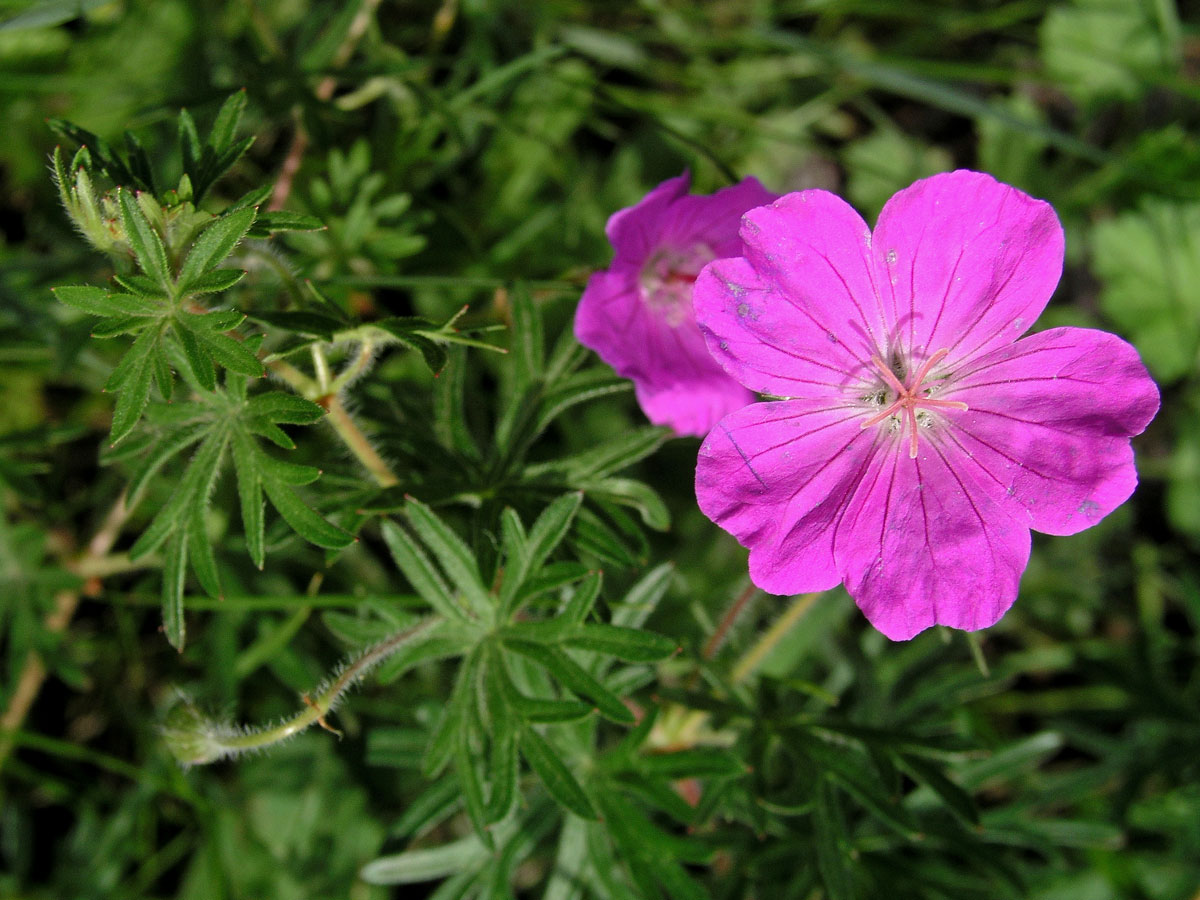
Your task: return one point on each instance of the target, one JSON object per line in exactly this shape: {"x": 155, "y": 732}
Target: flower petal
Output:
{"x": 920, "y": 546}
{"x": 713, "y": 219}
{"x": 776, "y": 476}
{"x": 678, "y": 383}
{"x": 798, "y": 316}
{"x": 636, "y": 230}
{"x": 966, "y": 263}
{"x": 1048, "y": 425}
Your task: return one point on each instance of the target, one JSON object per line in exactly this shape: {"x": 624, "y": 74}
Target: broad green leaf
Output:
{"x": 215, "y": 243}
{"x": 554, "y": 774}
{"x": 1149, "y": 262}
{"x": 1100, "y": 49}
{"x": 629, "y": 644}
{"x": 145, "y": 241}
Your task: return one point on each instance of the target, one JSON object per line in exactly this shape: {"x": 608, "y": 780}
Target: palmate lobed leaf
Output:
{"x": 223, "y": 421}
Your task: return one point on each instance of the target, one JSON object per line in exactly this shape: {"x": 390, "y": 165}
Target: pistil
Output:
{"x": 909, "y": 399}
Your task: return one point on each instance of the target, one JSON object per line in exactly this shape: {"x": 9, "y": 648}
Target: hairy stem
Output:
{"x": 196, "y": 741}
{"x": 728, "y": 621}
{"x": 354, "y": 439}
{"x": 343, "y": 425}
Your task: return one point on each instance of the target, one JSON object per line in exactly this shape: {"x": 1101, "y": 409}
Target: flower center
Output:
{"x": 667, "y": 280}
{"x": 910, "y": 399}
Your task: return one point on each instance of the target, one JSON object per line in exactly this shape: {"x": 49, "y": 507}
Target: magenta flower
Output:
{"x": 638, "y": 315}
{"x": 918, "y": 440}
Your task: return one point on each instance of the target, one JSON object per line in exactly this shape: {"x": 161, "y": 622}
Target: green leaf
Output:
{"x": 545, "y": 535}
{"x": 643, "y": 597}
{"x": 575, "y": 679}
{"x": 132, "y": 378}
{"x": 198, "y": 360}
{"x": 829, "y": 834}
{"x": 449, "y": 411}
{"x": 583, "y": 598}
{"x": 455, "y": 717}
{"x": 270, "y": 222}
{"x": 200, "y": 551}
{"x": 98, "y": 301}
{"x": 420, "y": 572}
{"x": 213, "y": 245}
{"x": 629, "y": 644}
{"x": 115, "y": 327}
{"x": 145, "y": 241}
{"x": 407, "y": 332}
{"x": 555, "y": 775}
{"x": 471, "y": 782}
{"x": 174, "y": 576}
{"x": 427, "y": 864}
{"x": 306, "y": 523}
{"x": 224, "y": 128}
{"x": 452, "y": 554}
{"x": 229, "y": 353}
{"x": 303, "y": 322}
{"x": 251, "y": 500}
{"x": 610, "y": 456}
{"x": 697, "y": 762}
{"x": 279, "y": 406}
{"x": 1149, "y": 261}
{"x": 527, "y": 339}
{"x": 634, "y": 494}
{"x": 956, "y": 799}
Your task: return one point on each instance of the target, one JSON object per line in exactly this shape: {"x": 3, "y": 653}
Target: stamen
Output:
{"x": 909, "y": 399}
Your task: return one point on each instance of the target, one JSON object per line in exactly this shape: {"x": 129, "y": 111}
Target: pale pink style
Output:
{"x": 637, "y": 315}
{"x": 919, "y": 437}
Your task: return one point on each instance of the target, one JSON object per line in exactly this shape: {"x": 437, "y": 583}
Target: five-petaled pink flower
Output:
{"x": 918, "y": 440}
{"x": 638, "y": 314}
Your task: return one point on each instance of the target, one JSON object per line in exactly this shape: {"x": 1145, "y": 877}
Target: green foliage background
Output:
{"x": 537, "y": 728}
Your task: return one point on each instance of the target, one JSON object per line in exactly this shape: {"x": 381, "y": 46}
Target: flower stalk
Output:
{"x": 196, "y": 740}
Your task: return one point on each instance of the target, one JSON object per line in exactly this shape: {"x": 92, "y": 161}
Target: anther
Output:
{"x": 909, "y": 399}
